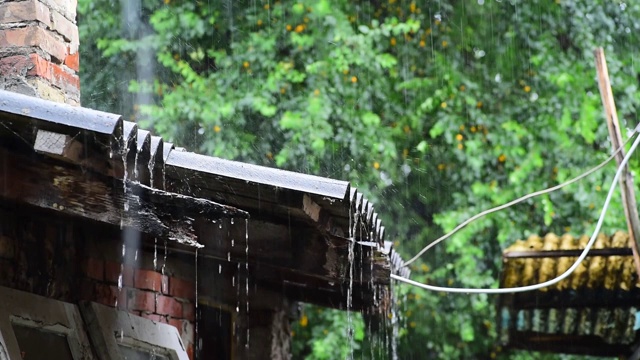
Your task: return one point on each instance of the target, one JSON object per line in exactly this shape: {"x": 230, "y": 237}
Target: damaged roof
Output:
{"x": 178, "y": 195}
{"x": 593, "y": 311}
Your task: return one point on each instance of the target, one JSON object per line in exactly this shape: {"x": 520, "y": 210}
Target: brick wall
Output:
{"x": 39, "y": 49}
{"x": 144, "y": 292}
{"x": 72, "y": 261}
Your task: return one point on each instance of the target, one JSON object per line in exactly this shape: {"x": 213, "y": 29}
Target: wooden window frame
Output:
{"x": 109, "y": 328}
{"x": 39, "y": 312}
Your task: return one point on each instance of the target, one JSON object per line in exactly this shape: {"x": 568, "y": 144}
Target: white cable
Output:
{"x": 564, "y": 275}
{"x": 513, "y": 202}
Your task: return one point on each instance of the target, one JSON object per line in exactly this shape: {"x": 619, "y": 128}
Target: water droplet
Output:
{"x": 231, "y": 221}
{"x": 201, "y": 131}
{"x": 220, "y": 269}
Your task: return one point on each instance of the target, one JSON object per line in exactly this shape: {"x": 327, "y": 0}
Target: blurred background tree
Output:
{"x": 436, "y": 109}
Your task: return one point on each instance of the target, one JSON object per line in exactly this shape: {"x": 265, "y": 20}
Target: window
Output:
{"x": 33, "y": 327}
{"x": 55, "y": 327}
{"x": 120, "y": 335}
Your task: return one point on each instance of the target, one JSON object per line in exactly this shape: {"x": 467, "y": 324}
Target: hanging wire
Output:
{"x": 516, "y": 201}
{"x": 554, "y": 281}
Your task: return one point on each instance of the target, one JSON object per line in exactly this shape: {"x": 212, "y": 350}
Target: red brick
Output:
{"x": 94, "y": 268}
{"x": 63, "y": 79}
{"x": 150, "y": 280}
{"x": 41, "y": 67}
{"x": 182, "y": 288}
{"x": 190, "y": 351}
{"x": 112, "y": 271}
{"x": 32, "y": 36}
{"x": 64, "y": 27}
{"x": 188, "y": 311}
{"x": 12, "y": 12}
{"x": 142, "y": 300}
{"x": 154, "y": 317}
{"x": 177, "y": 323}
{"x": 87, "y": 290}
{"x": 73, "y": 60}
{"x": 18, "y": 65}
{"x": 107, "y": 295}
{"x": 169, "y": 306}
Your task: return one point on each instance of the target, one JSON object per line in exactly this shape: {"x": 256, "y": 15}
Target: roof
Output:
{"x": 302, "y": 227}
{"x": 593, "y": 311}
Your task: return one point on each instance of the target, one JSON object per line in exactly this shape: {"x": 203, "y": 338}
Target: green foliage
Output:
{"x": 437, "y": 109}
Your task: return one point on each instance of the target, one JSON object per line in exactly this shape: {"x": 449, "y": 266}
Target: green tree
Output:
{"x": 437, "y": 110}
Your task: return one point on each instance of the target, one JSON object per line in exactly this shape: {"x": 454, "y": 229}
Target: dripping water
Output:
{"x": 125, "y": 205}
{"x": 155, "y": 254}
{"x": 155, "y": 268}
{"x": 150, "y": 165}
{"x": 350, "y": 328}
{"x": 135, "y": 163}
{"x": 246, "y": 268}
{"x": 195, "y": 326}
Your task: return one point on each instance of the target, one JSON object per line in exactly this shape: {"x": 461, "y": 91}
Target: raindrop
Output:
{"x": 406, "y": 169}
{"x": 229, "y": 256}
{"x": 155, "y": 254}
{"x": 220, "y": 269}
{"x": 201, "y": 131}
{"x": 231, "y": 221}
{"x": 385, "y": 178}
{"x": 233, "y": 242}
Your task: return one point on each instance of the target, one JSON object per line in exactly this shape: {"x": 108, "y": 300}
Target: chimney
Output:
{"x": 39, "y": 49}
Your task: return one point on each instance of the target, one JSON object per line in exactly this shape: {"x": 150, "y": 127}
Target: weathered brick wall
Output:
{"x": 145, "y": 291}
{"x": 70, "y": 260}
{"x": 39, "y": 49}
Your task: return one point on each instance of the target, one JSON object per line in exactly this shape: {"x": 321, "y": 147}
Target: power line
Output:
{"x": 514, "y": 202}
{"x": 564, "y": 275}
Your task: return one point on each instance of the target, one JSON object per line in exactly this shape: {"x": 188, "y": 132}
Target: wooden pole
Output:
{"x": 626, "y": 181}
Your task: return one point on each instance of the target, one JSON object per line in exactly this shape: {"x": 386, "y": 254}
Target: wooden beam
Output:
{"x": 626, "y": 181}
{"x": 72, "y": 191}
